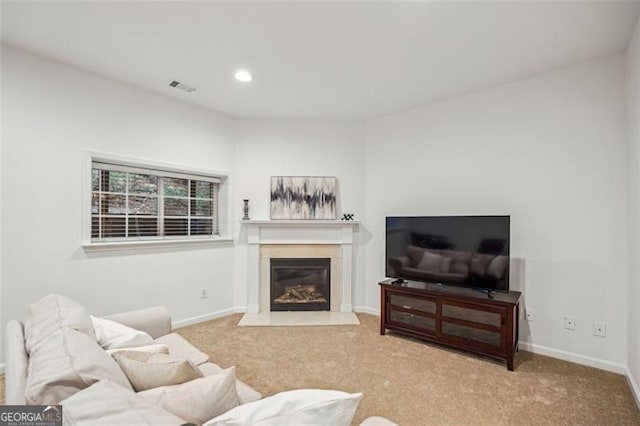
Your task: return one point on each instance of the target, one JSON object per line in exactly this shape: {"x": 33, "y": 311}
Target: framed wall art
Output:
{"x": 303, "y": 197}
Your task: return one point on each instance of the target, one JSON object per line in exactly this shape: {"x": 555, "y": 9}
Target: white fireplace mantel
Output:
{"x": 303, "y": 232}
{"x": 294, "y": 222}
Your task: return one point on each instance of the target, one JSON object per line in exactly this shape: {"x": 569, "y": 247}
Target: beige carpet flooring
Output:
{"x": 413, "y": 383}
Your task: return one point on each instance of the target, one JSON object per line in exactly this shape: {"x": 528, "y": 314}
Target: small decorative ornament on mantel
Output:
{"x": 246, "y": 210}
{"x": 347, "y": 216}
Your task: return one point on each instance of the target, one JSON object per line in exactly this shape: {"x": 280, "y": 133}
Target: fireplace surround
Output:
{"x": 268, "y": 239}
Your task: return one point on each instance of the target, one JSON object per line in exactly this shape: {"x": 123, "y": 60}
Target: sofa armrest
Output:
{"x": 399, "y": 263}
{"x": 17, "y": 362}
{"x": 156, "y": 321}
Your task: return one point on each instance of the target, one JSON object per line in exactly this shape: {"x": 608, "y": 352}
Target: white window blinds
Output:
{"x": 135, "y": 203}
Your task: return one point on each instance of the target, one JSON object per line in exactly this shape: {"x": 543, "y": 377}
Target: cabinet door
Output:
{"x": 493, "y": 317}
{"x": 412, "y": 321}
{"x": 489, "y": 338}
{"x": 418, "y": 304}
{"x": 412, "y": 312}
{"x": 481, "y": 327}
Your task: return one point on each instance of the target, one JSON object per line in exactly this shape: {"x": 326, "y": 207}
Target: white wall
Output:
{"x": 51, "y": 114}
{"x": 551, "y": 152}
{"x": 633, "y": 103}
{"x": 266, "y": 148}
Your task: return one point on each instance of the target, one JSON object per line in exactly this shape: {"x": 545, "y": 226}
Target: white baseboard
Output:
{"x": 366, "y": 310}
{"x": 240, "y": 309}
{"x": 2, "y": 368}
{"x": 635, "y": 389}
{"x": 602, "y": 364}
{"x": 207, "y": 317}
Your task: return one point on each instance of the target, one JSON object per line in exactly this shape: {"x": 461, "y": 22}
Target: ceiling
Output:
{"x": 337, "y": 60}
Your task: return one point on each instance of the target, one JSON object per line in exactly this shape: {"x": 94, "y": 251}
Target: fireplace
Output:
{"x": 299, "y": 239}
{"x": 300, "y": 284}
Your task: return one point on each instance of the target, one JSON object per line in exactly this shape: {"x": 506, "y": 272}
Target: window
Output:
{"x": 131, "y": 203}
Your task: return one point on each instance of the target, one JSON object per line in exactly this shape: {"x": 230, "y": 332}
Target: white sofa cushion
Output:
{"x": 198, "y": 400}
{"x": 106, "y": 403}
{"x": 155, "y": 348}
{"x": 66, "y": 362}
{"x": 147, "y": 370}
{"x": 52, "y": 313}
{"x": 245, "y": 392}
{"x": 297, "y": 407}
{"x": 179, "y": 347}
{"x": 113, "y": 335}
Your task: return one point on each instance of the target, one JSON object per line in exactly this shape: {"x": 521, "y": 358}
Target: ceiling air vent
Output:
{"x": 180, "y": 85}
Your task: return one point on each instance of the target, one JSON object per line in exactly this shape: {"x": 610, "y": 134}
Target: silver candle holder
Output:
{"x": 246, "y": 210}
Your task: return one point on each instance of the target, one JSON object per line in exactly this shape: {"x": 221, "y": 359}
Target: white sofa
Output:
{"x": 97, "y": 395}
{"x": 155, "y": 321}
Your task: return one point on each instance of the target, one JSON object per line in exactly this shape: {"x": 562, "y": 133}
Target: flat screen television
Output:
{"x": 469, "y": 251}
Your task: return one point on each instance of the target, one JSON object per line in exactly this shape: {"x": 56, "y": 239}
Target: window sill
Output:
{"x": 153, "y": 244}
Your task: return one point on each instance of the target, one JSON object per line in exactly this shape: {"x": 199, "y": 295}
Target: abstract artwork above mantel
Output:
{"x": 303, "y": 197}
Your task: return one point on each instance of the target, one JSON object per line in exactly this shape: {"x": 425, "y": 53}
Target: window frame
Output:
{"x": 164, "y": 170}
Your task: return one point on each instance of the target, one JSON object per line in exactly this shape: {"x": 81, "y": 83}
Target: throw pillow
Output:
{"x": 480, "y": 262}
{"x": 430, "y": 262}
{"x": 113, "y": 335}
{"x": 497, "y": 267}
{"x": 198, "y": 400}
{"x": 51, "y": 313}
{"x": 297, "y": 407}
{"x": 147, "y": 370}
{"x": 65, "y": 363}
{"x": 459, "y": 261}
{"x": 106, "y": 403}
{"x": 245, "y": 392}
{"x": 156, "y": 348}
{"x": 446, "y": 264}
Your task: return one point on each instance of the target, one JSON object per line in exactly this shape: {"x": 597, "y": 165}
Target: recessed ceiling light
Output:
{"x": 243, "y": 75}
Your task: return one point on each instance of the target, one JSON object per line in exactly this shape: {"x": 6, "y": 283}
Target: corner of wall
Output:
{"x": 1, "y": 269}
{"x": 633, "y": 123}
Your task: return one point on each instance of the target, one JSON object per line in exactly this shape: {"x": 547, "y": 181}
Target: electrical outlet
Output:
{"x": 204, "y": 293}
{"x": 530, "y": 314}
{"x": 569, "y": 322}
{"x": 599, "y": 329}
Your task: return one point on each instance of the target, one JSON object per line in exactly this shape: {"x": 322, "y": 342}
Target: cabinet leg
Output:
{"x": 383, "y": 310}
{"x": 510, "y": 363}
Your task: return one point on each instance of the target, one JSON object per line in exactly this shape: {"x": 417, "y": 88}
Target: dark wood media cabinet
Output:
{"x": 459, "y": 317}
